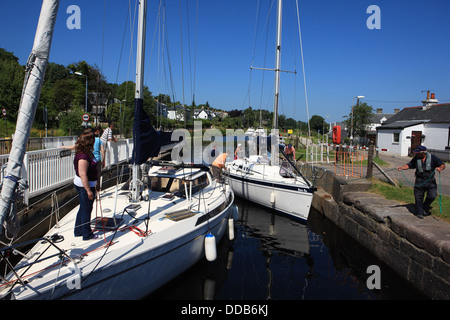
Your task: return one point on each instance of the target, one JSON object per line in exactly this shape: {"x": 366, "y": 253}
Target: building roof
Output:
{"x": 401, "y": 124}
{"x": 378, "y": 117}
{"x": 438, "y": 113}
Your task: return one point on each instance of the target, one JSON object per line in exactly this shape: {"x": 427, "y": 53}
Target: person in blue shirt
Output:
{"x": 425, "y": 164}
{"x": 99, "y": 150}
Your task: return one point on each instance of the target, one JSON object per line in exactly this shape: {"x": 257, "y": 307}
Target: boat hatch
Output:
{"x": 286, "y": 170}
{"x": 107, "y": 224}
{"x": 167, "y": 170}
{"x": 180, "y": 214}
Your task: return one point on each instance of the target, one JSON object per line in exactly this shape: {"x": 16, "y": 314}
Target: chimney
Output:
{"x": 396, "y": 111}
{"x": 430, "y": 100}
{"x": 379, "y": 110}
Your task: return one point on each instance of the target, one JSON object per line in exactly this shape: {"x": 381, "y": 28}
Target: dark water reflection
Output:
{"x": 275, "y": 257}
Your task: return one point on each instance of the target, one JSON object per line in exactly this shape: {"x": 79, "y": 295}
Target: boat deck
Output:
{"x": 135, "y": 228}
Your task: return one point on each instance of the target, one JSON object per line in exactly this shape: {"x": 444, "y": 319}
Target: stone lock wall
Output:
{"x": 417, "y": 249}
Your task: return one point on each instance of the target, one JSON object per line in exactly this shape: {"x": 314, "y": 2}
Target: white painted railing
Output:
{"x": 118, "y": 152}
{"x": 49, "y": 169}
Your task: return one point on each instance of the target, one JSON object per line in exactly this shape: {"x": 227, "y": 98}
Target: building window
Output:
{"x": 396, "y": 137}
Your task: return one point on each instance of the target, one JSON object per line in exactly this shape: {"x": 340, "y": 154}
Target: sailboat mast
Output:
{"x": 139, "y": 93}
{"x": 34, "y": 78}
{"x": 277, "y": 66}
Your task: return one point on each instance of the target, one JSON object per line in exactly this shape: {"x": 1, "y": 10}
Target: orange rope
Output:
{"x": 136, "y": 230}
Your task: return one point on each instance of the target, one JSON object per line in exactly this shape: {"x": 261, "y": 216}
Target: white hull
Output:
{"x": 135, "y": 264}
{"x": 262, "y": 184}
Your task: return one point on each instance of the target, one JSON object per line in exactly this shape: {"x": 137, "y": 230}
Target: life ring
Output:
{"x": 337, "y": 134}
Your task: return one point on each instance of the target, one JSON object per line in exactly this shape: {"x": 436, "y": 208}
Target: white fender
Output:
{"x": 210, "y": 247}
{"x": 231, "y": 228}
{"x": 272, "y": 197}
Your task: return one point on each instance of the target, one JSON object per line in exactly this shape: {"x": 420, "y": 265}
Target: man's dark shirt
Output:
{"x": 425, "y": 175}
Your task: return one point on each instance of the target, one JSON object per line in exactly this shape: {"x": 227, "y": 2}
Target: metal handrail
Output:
{"x": 49, "y": 169}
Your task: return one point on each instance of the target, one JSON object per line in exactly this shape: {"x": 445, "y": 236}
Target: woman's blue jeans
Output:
{"x": 82, "y": 223}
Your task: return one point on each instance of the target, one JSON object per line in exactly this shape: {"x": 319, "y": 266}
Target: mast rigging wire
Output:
{"x": 182, "y": 63}
{"x": 303, "y": 67}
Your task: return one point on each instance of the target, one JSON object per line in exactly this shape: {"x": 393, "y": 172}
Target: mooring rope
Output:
{"x": 429, "y": 178}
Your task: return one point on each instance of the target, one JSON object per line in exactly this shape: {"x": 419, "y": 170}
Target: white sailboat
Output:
{"x": 262, "y": 180}
{"x": 148, "y": 233}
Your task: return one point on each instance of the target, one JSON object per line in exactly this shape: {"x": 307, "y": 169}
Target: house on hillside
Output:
{"x": 99, "y": 103}
{"x": 177, "y": 113}
{"x": 221, "y": 114}
{"x": 161, "y": 109}
{"x": 427, "y": 125}
{"x": 203, "y": 114}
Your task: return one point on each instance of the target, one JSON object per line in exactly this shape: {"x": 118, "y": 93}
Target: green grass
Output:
{"x": 378, "y": 161}
{"x": 440, "y": 206}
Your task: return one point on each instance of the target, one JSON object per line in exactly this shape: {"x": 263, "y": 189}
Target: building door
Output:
{"x": 416, "y": 140}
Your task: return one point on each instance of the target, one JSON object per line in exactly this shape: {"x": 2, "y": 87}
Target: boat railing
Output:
{"x": 10, "y": 252}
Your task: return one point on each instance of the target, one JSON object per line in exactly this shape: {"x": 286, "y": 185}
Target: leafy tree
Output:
{"x": 54, "y": 73}
{"x": 317, "y": 123}
{"x": 235, "y": 113}
{"x": 281, "y": 122}
{"x": 249, "y": 117}
{"x": 290, "y": 123}
{"x": 362, "y": 114}
{"x": 71, "y": 123}
{"x": 11, "y": 83}
{"x": 96, "y": 83}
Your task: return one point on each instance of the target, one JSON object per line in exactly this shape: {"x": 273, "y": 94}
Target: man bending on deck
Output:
{"x": 218, "y": 165}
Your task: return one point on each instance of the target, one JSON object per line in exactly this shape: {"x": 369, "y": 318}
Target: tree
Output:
{"x": 290, "y": 123}
{"x": 362, "y": 115}
{"x": 96, "y": 81}
{"x": 71, "y": 123}
{"x": 316, "y": 123}
{"x": 54, "y": 73}
{"x": 123, "y": 113}
{"x": 235, "y": 113}
{"x": 249, "y": 117}
{"x": 11, "y": 83}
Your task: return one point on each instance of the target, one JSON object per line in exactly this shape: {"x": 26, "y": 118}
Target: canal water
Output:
{"x": 275, "y": 257}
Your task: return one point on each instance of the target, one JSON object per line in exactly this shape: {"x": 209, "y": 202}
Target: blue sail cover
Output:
{"x": 147, "y": 141}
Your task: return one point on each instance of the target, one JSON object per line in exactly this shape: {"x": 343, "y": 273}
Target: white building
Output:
{"x": 203, "y": 114}
{"x": 427, "y": 125}
{"x": 177, "y": 113}
{"x": 161, "y": 109}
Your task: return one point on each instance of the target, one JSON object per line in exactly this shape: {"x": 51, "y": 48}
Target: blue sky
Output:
{"x": 390, "y": 66}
